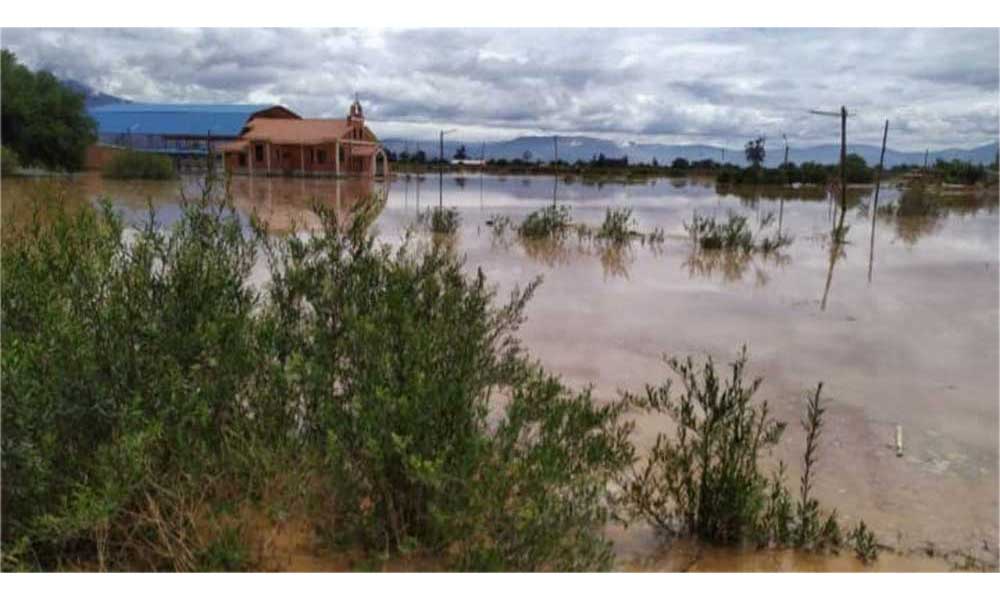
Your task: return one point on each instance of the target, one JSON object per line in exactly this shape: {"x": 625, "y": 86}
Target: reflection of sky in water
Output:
{"x": 915, "y": 346}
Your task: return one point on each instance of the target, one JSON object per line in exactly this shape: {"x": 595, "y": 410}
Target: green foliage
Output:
{"x": 709, "y": 234}
{"x": 733, "y": 235}
{"x": 706, "y": 479}
{"x": 9, "y": 161}
{"x": 133, "y": 164}
{"x": 400, "y": 358}
{"x": 124, "y": 361}
{"x": 618, "y": 226}
{"x": 549, "y": 222}
{"x": 960, "y": 172}
{"x": 42, "y": 120}
{"x": 863, "y": 541}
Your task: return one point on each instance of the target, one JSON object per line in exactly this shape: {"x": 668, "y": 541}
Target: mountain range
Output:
{"x": 573, "y": 148}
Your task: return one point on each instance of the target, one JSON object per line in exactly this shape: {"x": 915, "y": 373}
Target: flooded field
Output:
{"x": 901, "y": 327}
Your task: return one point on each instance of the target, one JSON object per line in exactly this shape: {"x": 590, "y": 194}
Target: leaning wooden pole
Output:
{"x": 878, "y": 184}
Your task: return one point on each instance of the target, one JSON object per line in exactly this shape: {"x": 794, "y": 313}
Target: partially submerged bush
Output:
{"x": 148, "y": 389}
{"x": 707, "y": 479}
{"x": 133, "y": 164}
{"x": 400, "y": 358}
{"x": 733, "y": 235}
{"x": 124, "y": 365}
{"x": 551, "y": 221}
{"x": 618, "y": 226}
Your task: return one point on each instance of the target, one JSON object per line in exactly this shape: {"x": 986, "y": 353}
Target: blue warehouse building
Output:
{"x": 177, "y": 129}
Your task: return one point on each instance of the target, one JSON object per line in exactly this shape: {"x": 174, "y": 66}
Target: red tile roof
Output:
{"x": 295, "y": 131}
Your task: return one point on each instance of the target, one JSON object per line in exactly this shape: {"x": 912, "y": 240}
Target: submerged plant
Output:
{"x": 863, "y": 541}
{"x": 707, "y": 480}
{"x": 548, "y": 222}
{"x": 734, "y": 235}
{"x": 618, "y": 226}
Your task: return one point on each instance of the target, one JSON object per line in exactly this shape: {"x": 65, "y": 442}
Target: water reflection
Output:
{"x": 732, "y": 267}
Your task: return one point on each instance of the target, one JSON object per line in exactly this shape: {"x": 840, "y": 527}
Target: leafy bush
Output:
{"x": 400, "y": 358}
{"x": 9, "y": 161}
{"x": 733, "y": 235}
{"x": 551, "y": 221}
{"x": 618, "y": 226}
{"x": 706, "y": 480}
{"x": 133, "y": 164}
{"x": 708, "y": 234}
{"x": 125, "y": 364}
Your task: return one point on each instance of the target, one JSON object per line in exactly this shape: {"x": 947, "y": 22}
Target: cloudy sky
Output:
{"x": 939, "y": 88}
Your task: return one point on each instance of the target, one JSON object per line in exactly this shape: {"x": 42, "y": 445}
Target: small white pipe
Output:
{"x": 899, "y": 440}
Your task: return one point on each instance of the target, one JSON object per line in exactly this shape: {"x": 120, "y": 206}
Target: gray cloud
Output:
{"x": 938, "y": 87}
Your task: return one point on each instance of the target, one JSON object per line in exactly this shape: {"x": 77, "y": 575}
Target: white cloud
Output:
{"x": 938, "y": 87}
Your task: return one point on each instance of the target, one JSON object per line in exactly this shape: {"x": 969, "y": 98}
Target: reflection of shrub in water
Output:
{"x": 442, "y": 221}
{"x": 733, "y": 266}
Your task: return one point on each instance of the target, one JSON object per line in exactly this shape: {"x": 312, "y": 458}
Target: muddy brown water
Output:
{"x": 903, "y": 331}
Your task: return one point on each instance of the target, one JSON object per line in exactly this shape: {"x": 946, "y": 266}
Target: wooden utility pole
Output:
{"x": 878, "y": 183}
{"x": 843, "y": 165}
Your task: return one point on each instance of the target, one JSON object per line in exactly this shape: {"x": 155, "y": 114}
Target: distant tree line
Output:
{"x": 44, "y": 123}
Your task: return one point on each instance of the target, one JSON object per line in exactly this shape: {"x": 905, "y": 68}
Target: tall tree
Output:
{"x": 43, "y": 120}
{"x": 755, "y": 152}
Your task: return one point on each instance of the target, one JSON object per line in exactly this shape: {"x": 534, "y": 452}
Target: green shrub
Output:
{"x": 549, "y": 222}
{"x": 707, "y": 480}
{"x": 708, "y": 234}
{"x": 618, "y": 226}
{"x": 400, "y": 357}
{"x": 124, "y": 364}
{"x": 133, "y": 164}
{"x": 734, "y": 235}
{"x": 10, "y": 164}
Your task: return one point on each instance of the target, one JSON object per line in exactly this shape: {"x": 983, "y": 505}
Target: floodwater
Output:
{"x": 902, "y": 329}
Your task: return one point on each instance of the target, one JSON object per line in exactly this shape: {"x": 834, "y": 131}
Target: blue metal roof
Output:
{"x": 225, "y": 120}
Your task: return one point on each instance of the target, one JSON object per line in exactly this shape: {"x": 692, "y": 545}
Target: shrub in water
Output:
{"x": 132, "y": 164}
{"x": 706, "y": 479}
{"x": 618, "y": 226}
{"x": 551, "y": 221}
{"x": 399, "y": 358}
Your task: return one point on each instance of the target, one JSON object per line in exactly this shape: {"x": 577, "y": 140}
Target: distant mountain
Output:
{"x": 91, "y": 96}
{"x": 573, "y": 148}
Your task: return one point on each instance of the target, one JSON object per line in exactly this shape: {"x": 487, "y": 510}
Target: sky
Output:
{"x": 938, "y": 87}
